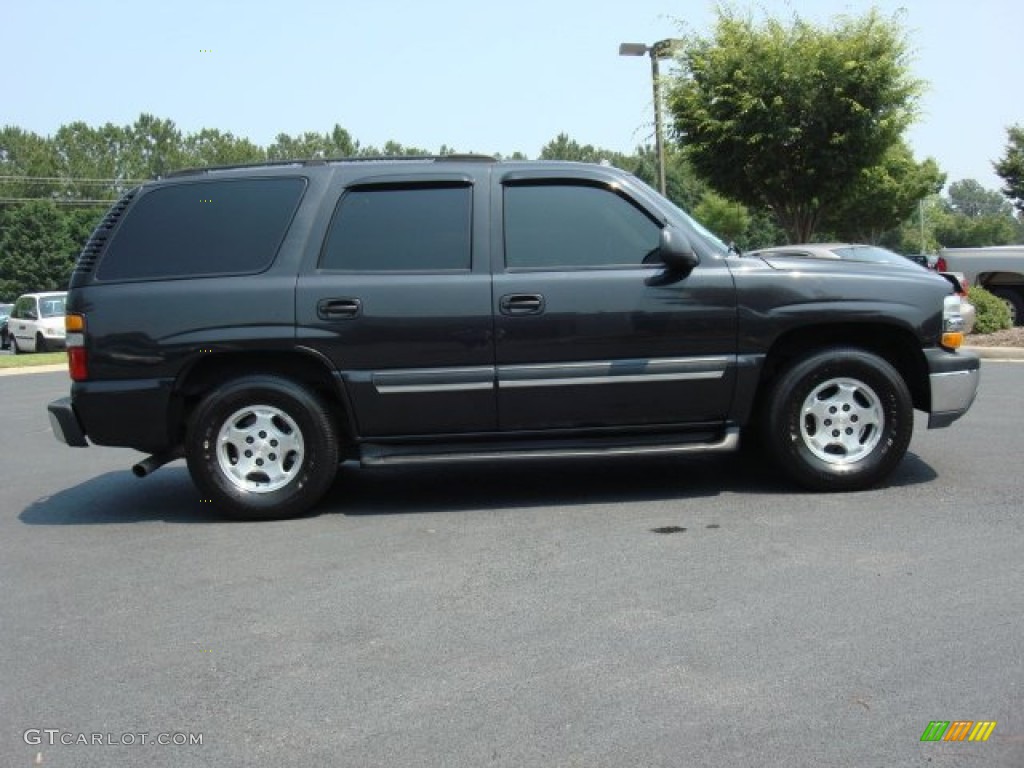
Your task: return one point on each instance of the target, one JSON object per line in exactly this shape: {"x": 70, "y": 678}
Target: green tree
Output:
{"x": 28, "y": 165}
{"x": 1011, "y": 166}
{"x": 787, "y": 117}
{"x": 968, "y": 197}
{"x": 682, "y": 185}
{"x": 211, "y": 147}
{"x": 37, "y": 248}
{"x": 564, "y": 148}
{"x": 883, "y": 196}
{"x": 728, "y": 219}
{"x": 337, "y": 143}
{"x": 974, "y": 217}
{"x": 907, "y": 237}
{"x": 154, "y": 147}
{"x": 92, "y": 162}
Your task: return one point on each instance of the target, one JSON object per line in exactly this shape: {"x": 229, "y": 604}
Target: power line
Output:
{"x": 57, "y": 201}
{"x": 71, "y": 179}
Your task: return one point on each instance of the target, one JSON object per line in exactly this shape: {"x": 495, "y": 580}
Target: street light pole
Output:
{"x": 659, "y": 136}
{"x": 660, "y": 50}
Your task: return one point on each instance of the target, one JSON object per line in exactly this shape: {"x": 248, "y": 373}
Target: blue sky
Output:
{"x": 477, "y": 76}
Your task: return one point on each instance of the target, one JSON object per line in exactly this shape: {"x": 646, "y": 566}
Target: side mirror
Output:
{"x": 676, "y": 251}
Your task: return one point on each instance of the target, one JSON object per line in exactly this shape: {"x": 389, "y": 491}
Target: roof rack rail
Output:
{"x": 461, "y": 158}
{"x": 231, "y": 167}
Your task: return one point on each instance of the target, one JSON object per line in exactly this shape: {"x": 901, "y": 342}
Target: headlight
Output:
{"x": 952, "y": 323}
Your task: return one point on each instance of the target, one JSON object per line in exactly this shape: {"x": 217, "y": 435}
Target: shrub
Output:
{"x": 993, "y": 314}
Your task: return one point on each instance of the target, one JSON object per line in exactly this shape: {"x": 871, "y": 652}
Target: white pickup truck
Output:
{"x": 998, "y": 269}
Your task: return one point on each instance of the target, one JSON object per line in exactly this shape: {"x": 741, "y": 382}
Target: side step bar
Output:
{"x": 377, "y": 455}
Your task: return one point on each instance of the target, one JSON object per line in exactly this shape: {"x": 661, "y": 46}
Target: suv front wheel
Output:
{"x": 262, "y": 447}
{"x": 840, "y": 419}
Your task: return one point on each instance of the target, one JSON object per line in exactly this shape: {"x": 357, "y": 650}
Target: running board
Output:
{"x": 376, "y": 455}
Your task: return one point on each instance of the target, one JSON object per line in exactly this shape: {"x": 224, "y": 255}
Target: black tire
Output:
{"x": 293, "y": 439}
{"x": 839, "y": 420}
{"x": 41, "y": 345}
{"x": 1014, "y": 303}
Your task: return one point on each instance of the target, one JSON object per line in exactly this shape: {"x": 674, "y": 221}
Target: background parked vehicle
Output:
{"x": 999, "y": 270}
{"x": 5, "y": 312}
{"x": 36, "y": 323}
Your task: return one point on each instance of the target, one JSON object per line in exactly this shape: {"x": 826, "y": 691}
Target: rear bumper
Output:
{"x": 953, "y": 378}
{"x": 64, "y": 423}
{"x": 128, "y": 414}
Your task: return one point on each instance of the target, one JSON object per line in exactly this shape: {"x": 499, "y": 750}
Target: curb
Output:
{"x": 997, "y": 353}
{"x": 34, "y": 369}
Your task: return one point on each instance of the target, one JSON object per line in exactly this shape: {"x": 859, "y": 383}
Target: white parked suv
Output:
{"x": 36, "y": 323}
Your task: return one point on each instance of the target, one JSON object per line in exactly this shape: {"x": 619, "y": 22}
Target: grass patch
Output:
{"x": 29, "y": 360}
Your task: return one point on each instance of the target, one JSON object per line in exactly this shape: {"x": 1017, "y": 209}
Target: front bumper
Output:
{"x": 64, "y": 423}
{"x": 953, "y": 378}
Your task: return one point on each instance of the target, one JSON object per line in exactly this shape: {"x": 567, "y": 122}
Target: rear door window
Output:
{"x": 401, "y": 229}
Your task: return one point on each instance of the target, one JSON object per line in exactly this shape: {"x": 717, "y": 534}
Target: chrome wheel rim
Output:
{"x": 841, "y": 421}
{"x": 260, "y": 448}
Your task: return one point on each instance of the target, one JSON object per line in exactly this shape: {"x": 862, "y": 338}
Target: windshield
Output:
{"x": 5, "y": 310}
{"x": 52, "y": 306}
{"x": 710, "y": 239}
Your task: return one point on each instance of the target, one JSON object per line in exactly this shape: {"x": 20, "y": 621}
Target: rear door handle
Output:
{"x": 338, "y": 309}
{"x": 521, "y": 304}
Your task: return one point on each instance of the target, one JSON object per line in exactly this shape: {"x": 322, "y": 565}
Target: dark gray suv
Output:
{"x": 267, "y": 322}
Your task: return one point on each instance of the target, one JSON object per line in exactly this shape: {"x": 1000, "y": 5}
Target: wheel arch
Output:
{"x": 897, "y": 346}
{"x": 307, "y": 368}
{"x": 1001, "y": 279}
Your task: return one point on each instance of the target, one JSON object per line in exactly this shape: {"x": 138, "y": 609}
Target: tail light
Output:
{"x": 940, "y": 265}
{"x": 74, "y": 328}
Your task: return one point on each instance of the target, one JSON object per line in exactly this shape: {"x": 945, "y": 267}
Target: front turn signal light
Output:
{"x": 952, "y": 340}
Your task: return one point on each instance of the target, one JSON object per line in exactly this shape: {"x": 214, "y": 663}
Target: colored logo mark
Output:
{"x": 958, "y": 730}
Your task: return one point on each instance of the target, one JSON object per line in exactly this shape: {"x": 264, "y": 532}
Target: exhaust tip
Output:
{"x": 152, "y": 463}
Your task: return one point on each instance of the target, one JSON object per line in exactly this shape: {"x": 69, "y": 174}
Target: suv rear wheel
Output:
{"x": 840, "y": 419}
{"x": 262, "y": 447}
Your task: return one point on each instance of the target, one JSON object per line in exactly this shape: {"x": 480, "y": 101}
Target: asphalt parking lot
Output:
{"x": 515, "y": 616}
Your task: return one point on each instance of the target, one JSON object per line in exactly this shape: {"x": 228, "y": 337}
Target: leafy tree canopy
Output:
{"x": 883, "y": 196}
{"x": 1011, "y": 166}
{"x": 969, "y": 198}
{"x": 787, "y": 117}
{"x": 38, "y": 246}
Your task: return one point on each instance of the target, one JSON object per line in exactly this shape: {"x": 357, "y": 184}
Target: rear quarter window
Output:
{"x": 203, "y": 228}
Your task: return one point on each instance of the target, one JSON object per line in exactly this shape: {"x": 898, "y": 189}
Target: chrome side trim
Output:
{"x": 613, "y": 372}
{"x": 424, "y": 380}
{"x": 729, "y": 442}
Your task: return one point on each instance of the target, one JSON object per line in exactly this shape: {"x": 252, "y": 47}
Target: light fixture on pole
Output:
{"x": 663, "y": 49}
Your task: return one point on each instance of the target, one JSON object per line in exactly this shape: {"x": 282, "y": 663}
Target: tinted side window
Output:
{"x": 203, "y": 228}
{"x": 569, "y": 226}
{"x": 400, "y": 229}
{"x": 26, "y": 309}
{"x": 52, "y": 306}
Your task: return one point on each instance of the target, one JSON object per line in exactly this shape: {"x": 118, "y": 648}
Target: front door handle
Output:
{"x": 338, "y": 309}
{"x": 521, "y": 304}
